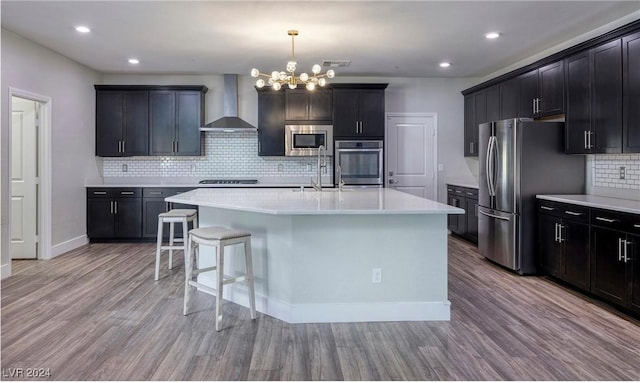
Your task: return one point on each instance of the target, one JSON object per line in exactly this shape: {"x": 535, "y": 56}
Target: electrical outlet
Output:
{"x": 193, "y": 167}
{"x": 623, "y": 172}
{"x": 308, "y": 167}
{"x": 280, "y": 167}
{"x": 376, "y": 276}
{"x": 440, "y": 167}
{"x": 124, "y": 168}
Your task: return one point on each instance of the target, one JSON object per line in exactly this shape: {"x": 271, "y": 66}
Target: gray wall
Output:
{"x": 31, "y": 67}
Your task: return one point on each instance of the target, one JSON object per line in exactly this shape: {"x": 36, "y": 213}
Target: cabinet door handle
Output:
{"x": 572, "y": 213}
{"x": 626, "y": 257}
{"x": 589, "y": 136}
{"x": 555, "y": 239}
{"x": 115, "y": 203}
{"x": 620, "y": 241}
{"x": 560, "y": 228}
{"x": 637, "y": 226}
{"x": 123, "y": 142}
{"x": 470, "y": 147}
{"x": 546, "y": 208}
{"x": 111, "y": 207}
{"x": 586, "y": 143}
{"x": 357, "y": 126}
{"x": 607, "y": 220}
{"x": 534, "y": 106}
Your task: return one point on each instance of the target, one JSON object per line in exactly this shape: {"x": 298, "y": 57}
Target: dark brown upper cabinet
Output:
{"x": 122, "y": 123}
{"x": 541, "y": 91}
{"x": 593, "y": 120}
{"x": 631, "y": 94}
{"x": 358, "y": 111}
{"x": 304, "y": 105}
{"x": 271, "y": 110}
{"x": 176, "y": 118}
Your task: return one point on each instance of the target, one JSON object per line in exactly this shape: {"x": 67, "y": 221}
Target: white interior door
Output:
{"x": 411, "y": 154}
{"x": 24, "y": 179}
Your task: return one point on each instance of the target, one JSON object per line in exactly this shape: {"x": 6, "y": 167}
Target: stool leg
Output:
{"x": 171, "y": 234}
{"x": 188, "y": 271}
{"x": 219, "y": 283}
{"x": 158, "y": 248}
{"x": 249, "y": 264}
{"x": 185, "y": 230}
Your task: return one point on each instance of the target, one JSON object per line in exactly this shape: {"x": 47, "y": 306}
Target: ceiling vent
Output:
{"x": 336, "y": 63}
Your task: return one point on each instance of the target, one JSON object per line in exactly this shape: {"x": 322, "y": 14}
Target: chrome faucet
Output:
{"x": 322, "y": 164}
{"x": 339, "y": 180}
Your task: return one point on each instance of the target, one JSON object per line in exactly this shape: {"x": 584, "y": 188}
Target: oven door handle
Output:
{"x": 359, "y": 150}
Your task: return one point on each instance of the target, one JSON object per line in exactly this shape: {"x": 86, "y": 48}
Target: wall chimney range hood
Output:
{"x": 230, "y": 122}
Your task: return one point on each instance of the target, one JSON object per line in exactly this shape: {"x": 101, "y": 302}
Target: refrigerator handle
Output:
{"x": 493, "y": 216}
{"x": 490, "y": 166}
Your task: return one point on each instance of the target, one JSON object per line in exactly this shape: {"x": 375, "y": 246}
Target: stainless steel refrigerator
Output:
{"x": 518, "y": 159}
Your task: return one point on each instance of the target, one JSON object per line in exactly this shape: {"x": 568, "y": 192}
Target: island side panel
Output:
{"x": 271, "y": 243}
{"x": 334, "y": 257}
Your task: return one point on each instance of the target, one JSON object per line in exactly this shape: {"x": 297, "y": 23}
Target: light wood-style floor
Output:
{"x": 96, "y": 314}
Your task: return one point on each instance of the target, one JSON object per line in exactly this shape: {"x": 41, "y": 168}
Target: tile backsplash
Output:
{"x": 225, "y": 155}
{"x": 606, "y": 171}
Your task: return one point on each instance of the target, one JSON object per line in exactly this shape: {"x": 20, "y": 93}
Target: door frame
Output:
{"x": 44, "y": 170}
{"x": 435, "y": 145}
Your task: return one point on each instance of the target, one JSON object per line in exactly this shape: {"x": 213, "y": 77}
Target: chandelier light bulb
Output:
{"x": 278, "y": 79}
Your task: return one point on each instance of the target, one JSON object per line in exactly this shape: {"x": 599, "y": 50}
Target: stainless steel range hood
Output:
{"x": 230, "y": 122}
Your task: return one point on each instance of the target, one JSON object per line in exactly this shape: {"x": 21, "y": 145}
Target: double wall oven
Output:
{"x": 359, "y": 162}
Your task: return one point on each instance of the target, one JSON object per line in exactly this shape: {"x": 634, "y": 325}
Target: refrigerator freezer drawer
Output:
{"x": 498, "y": 236}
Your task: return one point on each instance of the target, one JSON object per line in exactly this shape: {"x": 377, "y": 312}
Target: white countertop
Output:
{"x": 616, "y": 204}
{"x": 472, "y": 184}
{"x": 310, "y": 202}
{"x": 264, "y": 182}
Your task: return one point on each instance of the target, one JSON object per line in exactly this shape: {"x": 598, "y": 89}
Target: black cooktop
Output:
{"x": 228, "y": 182}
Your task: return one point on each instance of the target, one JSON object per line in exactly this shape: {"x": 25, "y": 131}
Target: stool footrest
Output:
{"x": 171, "y": 247}
{"x": 205, "y": 288}
{"x": 200, "y": 271}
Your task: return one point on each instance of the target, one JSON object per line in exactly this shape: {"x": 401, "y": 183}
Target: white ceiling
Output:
{"x": 381, "y": 38}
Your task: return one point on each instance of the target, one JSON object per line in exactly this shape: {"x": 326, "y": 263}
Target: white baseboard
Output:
{"x": 5, "y": 271}
{"x": 337, "y": 312}
{"x": 69, "y": 245}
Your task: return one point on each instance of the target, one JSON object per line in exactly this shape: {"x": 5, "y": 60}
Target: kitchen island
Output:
{"x": 334, "y": 256}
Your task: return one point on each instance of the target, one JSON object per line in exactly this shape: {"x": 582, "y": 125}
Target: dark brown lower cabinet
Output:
{"x": 593, "y": 249}
{"x": 154, "y": 204}
{"x": 464, "y": 225}
{"x": 114, "y": 213}
{"x": 564, "y": 243}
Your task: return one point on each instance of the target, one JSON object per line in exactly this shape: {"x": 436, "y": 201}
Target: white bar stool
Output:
{"x": 183, "y": 216}
{"x": 218, "y": 237}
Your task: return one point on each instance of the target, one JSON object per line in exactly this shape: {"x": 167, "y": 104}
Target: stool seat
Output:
{"x": 173, "y": 216}
{"x": 216, "y": 233}
{"x": 178, "y": 213}
{"x": 219, "y": 237}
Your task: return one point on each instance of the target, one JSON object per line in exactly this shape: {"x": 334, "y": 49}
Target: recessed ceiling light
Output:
{"x": 492, "y": 35}
{"x": 83, "y": 29}
{"x": 134, "y": 61}
{"x": 445, "y": 64}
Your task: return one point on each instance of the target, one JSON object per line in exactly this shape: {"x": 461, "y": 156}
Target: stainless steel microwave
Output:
{"x": 304, "y": 140}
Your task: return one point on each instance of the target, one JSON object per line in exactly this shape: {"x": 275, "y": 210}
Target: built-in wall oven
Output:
{"x": 304, "y": 140}
{"x": 359, "y": 163}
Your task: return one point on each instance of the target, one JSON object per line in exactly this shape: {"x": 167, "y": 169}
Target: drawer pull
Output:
{"x": 607, "y": 220}
{"x": 546, "y": 208}
{"x": 571, "y": 212}
{"x": 637, "y": 226}
{"x": 127, "y": 193}
{"x": 459, "y": 191}
{"x": 99, "y": 192}
{"x": 469, "y": 193}
{"x": 449, "y": 189}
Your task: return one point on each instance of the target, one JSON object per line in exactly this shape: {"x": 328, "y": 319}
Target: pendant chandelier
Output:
{"x": 277, "y": 79}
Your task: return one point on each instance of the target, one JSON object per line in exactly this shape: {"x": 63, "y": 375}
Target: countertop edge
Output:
{"x": 598, "y": 202}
